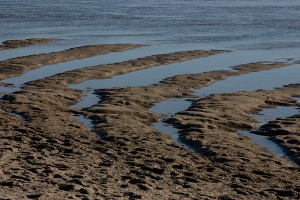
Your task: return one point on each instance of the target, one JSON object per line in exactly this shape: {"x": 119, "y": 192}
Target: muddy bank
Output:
{"x": 50, "y": 154}
{"x": 13, "y": 44}
{"x": 17, "y": 66}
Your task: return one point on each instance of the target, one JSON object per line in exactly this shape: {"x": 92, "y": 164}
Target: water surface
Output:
{"x": 266, "y": 30}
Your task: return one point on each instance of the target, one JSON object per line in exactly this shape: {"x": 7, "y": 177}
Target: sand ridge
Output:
{"x": 54, "y": 139}
{"x": 208, "y": 119}
{"x": 17, "y": 66}
{"x": 129, "y": 106}
{"x": 13, "y": 44}
{"x": 49, "y": 154}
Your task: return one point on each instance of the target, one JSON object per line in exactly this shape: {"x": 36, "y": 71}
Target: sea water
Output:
{"x": 176, "y": 24}
{"x": 255, "y": 30}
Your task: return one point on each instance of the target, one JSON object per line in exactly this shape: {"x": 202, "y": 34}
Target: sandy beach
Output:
{"x": 46, "y": 153}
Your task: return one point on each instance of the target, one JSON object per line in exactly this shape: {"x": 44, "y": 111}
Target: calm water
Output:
{"x": 232, "y": 24}
{"x": 264, "y": 30}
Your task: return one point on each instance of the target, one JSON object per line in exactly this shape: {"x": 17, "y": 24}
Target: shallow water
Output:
{"x": 271, "y": 114}
{"x": 245, "y": 82}
{"x": 264, "y": 117}
{"x": 265, "y": 30}
{"x": 171, "y": 131}
{"x": 234, "y": 24}
{"x": 18, "y": 116}
{"x": 257, "y": 30}
{"x": 261, "y": 80}
{"x": 85, "y": 121}
{"x": 254, "y": 81}
{"x": 50, "y": 70}
{"x": 156, "y": 74}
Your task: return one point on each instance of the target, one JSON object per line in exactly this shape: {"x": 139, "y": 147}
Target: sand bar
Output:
{"x": 51, "y": 154}
{"x": 13, "y": 44}
{"x": 17, "y": 66}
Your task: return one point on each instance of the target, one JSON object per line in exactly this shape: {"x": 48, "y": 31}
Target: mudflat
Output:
{"x": 17, "y": 66}
{"x": 13, "y": 44}
{"x": 46, "y": 153}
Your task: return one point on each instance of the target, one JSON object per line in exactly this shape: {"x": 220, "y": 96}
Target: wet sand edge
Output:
{"x": 130, "y": 159}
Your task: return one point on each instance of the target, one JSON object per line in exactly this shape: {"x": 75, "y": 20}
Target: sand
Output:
{"x": 17, "y": 66}
{"x": 46, "y": 153}
{"x": 13, "y": 44}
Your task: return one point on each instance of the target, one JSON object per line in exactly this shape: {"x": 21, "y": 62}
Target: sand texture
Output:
{"x": 46, "y": 153}
{"x": 17, "y": 66}
{"x": 13, "y": 44}
{"x": 210, "y": 121}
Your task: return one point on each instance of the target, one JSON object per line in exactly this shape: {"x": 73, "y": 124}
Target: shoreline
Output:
{"x": 51, "y": 154}
{"x": 14, "y": 44}
{"x": 17, "y": 66}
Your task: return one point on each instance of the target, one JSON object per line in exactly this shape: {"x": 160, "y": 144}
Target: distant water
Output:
{"x": 264, "y": 30}
{"x": 176, "y": 24}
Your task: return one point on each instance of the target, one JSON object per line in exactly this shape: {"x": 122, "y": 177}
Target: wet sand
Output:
{"x": 50, "y": 154}
{"x": 13, "y": 44}
{"x": 210, "y": 121}
{"x": 17, "y": 66}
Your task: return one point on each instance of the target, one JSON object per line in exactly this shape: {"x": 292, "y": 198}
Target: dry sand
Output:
{"x": 49, "y": 154}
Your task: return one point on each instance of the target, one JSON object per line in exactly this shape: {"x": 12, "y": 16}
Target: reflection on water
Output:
{"x": 50, "y": 70}
{"x": 264, "y": 142}
{"x": 173, "y": 106}
{"x": 18, "y": 116}
{"x": 7, "y": 90}
{"x": 88, "y": 123}
{"x": 254, "y": 81}
{"x": 257, "y": 30}
{"x": 217, "y": 62}
{"x": 88, "y": 99}
{"x": 207, "y": 24}
{"x": 271, "y": 114}
{"x": 264, "y": 117}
